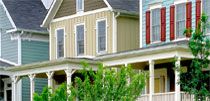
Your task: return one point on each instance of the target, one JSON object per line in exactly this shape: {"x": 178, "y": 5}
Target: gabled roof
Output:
{"x": 27, "y": 15}
{"x": 124, "y": 6}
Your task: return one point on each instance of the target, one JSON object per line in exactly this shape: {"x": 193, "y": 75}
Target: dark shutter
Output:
{"x": 188, "y": 17}
{"x": 148, "y": 27}
{"x": 172, "y": 21}
{"x": 198, "y": 11}
{"x": 163, "y": 24}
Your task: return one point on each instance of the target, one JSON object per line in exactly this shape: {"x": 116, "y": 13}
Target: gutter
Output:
{"x": 114, "y": 31}
{"x": 27, "y": 30}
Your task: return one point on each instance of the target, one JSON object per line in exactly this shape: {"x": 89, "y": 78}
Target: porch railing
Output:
{"x": 170, "y": 96}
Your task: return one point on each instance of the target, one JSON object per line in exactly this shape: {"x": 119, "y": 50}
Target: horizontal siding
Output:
{"x": 90, "y": 33}
{"x": 8, "y": 47}
{"x": 167, "y": 4}
{"x": 34, "y": 51}
{"x": 40, "y": 83}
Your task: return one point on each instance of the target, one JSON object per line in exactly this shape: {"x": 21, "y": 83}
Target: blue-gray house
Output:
{"x": 22, "y": 41}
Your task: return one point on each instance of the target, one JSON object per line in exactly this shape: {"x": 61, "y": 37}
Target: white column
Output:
{"x": 14, "y": 87}
{"x": 31, "y": 77}
{"x": 177, "y": 86}
{"x": 151, "y": 79}
{"x": 49, "y": 78}
{"x": 68, "y": 77}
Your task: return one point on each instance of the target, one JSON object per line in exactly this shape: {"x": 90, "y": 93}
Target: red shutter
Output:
{"x": 172, "y": 21}
{"x": 163, "y": 24}
{"x": 148, "y": 27}
{"x": 188, "y": 17}
{"x": 198, "y": 11}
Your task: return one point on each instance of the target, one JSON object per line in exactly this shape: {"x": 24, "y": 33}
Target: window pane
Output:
{"x": 156, "y": 25}
{"x": 206, "y": 10}
{"x": 101, "y": 35}
{"x": 80, "y": 5}
{"x": 180, "y": 20}
{"x": 80, "y": 39}
{"x": 60, "y": 43}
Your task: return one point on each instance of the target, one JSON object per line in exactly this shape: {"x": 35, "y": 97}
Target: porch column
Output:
{"x": 31, "y": 77}
{"x": 69, "y": 73}
{"x": 14, "y": 87}
{"x": 151, "y": 79}
{"x": 50, "y": 81}
{"x": 177, "y": 86}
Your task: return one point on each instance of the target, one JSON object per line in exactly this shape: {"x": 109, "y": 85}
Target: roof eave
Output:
{"x": 28, "y": 30}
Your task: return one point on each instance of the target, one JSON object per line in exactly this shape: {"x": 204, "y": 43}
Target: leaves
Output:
{"x": 105, "y": 84}
{"x": 194, "y": 81}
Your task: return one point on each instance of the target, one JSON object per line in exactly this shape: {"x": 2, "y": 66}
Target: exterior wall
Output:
{"x": 167, "y": 4}
{"x": 9, "y": 48}
{"x": 40, "y": 83}
{"x": 68, "y": 7}
{"x": 34, "y": 51}
{"x": 127, "y": 33}
{"x": 90, "y": 33}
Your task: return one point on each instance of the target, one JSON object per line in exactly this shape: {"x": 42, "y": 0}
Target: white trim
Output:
{"x": 155, "y": 6}
{"x": 64, "y": 40}
{"x": 75, "y": 32}
{"x": 9, "y": 62}
{"x": 50, "y": 42}
{"x": 6, "y": 73}
{"x": 106, "y": 33}
{"x": 140, "y": 24}
{"x": 19, "y": 51}
{"x": 109, "y": 6}
{"x": 8, "y": 15}
{"x": 151, "y": 37}
{"x": 180, "y": 1}
{"x": 81, "y": 14}
{"x": 77, "y": 7}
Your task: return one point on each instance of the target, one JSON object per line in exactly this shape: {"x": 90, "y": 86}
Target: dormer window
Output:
{"x": 80, "y": 5}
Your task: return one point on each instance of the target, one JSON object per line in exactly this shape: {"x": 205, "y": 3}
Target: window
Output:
{"x": 180, "y": 20}
{"x": 80, "y": 39}
{"x": 206, "y": 10}
{"x": 80, "y": 5}
{"x": 60, "y": 43}
{"x": 155, "y": 25}
{"x": 101, "y": 36}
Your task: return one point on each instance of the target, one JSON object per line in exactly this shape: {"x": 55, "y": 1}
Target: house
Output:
{"x": 80, "y": 30}
{"x": 22, "y": 41}
{"x": 146, "y": 34}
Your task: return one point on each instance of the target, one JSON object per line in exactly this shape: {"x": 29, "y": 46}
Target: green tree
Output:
{"x": 105, "y": 84}
{"x": 194, "y": 80}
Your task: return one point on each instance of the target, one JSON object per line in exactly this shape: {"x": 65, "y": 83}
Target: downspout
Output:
{"x": 114, "y": 41}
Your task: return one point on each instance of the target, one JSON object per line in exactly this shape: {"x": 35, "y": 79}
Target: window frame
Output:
{"x": 151, "y": 26}
{"x": 77, "y": 6}
{"x": 175, "y": 27}
{"x": 97, "y": 34}
{"x": 56, "y": 34}
{"x": 75, "y": 29}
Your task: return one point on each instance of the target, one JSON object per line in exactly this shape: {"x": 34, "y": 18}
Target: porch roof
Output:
{"x": 53, "y": 63}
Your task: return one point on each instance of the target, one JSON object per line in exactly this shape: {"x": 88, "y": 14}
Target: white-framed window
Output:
{"x": 101, "y": 36}
{"x": 180, "y": 20}
{"x": 80, "y": 31}
{"x": 206, "y": 10}
{"x": 155, "y": 24}
{"x": 60, "y": 43}
{"x": 80, "y": 5}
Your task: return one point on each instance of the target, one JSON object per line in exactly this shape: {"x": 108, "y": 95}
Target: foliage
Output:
{"x": 194, "y": 80}
{"x": 105, "y": 84}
